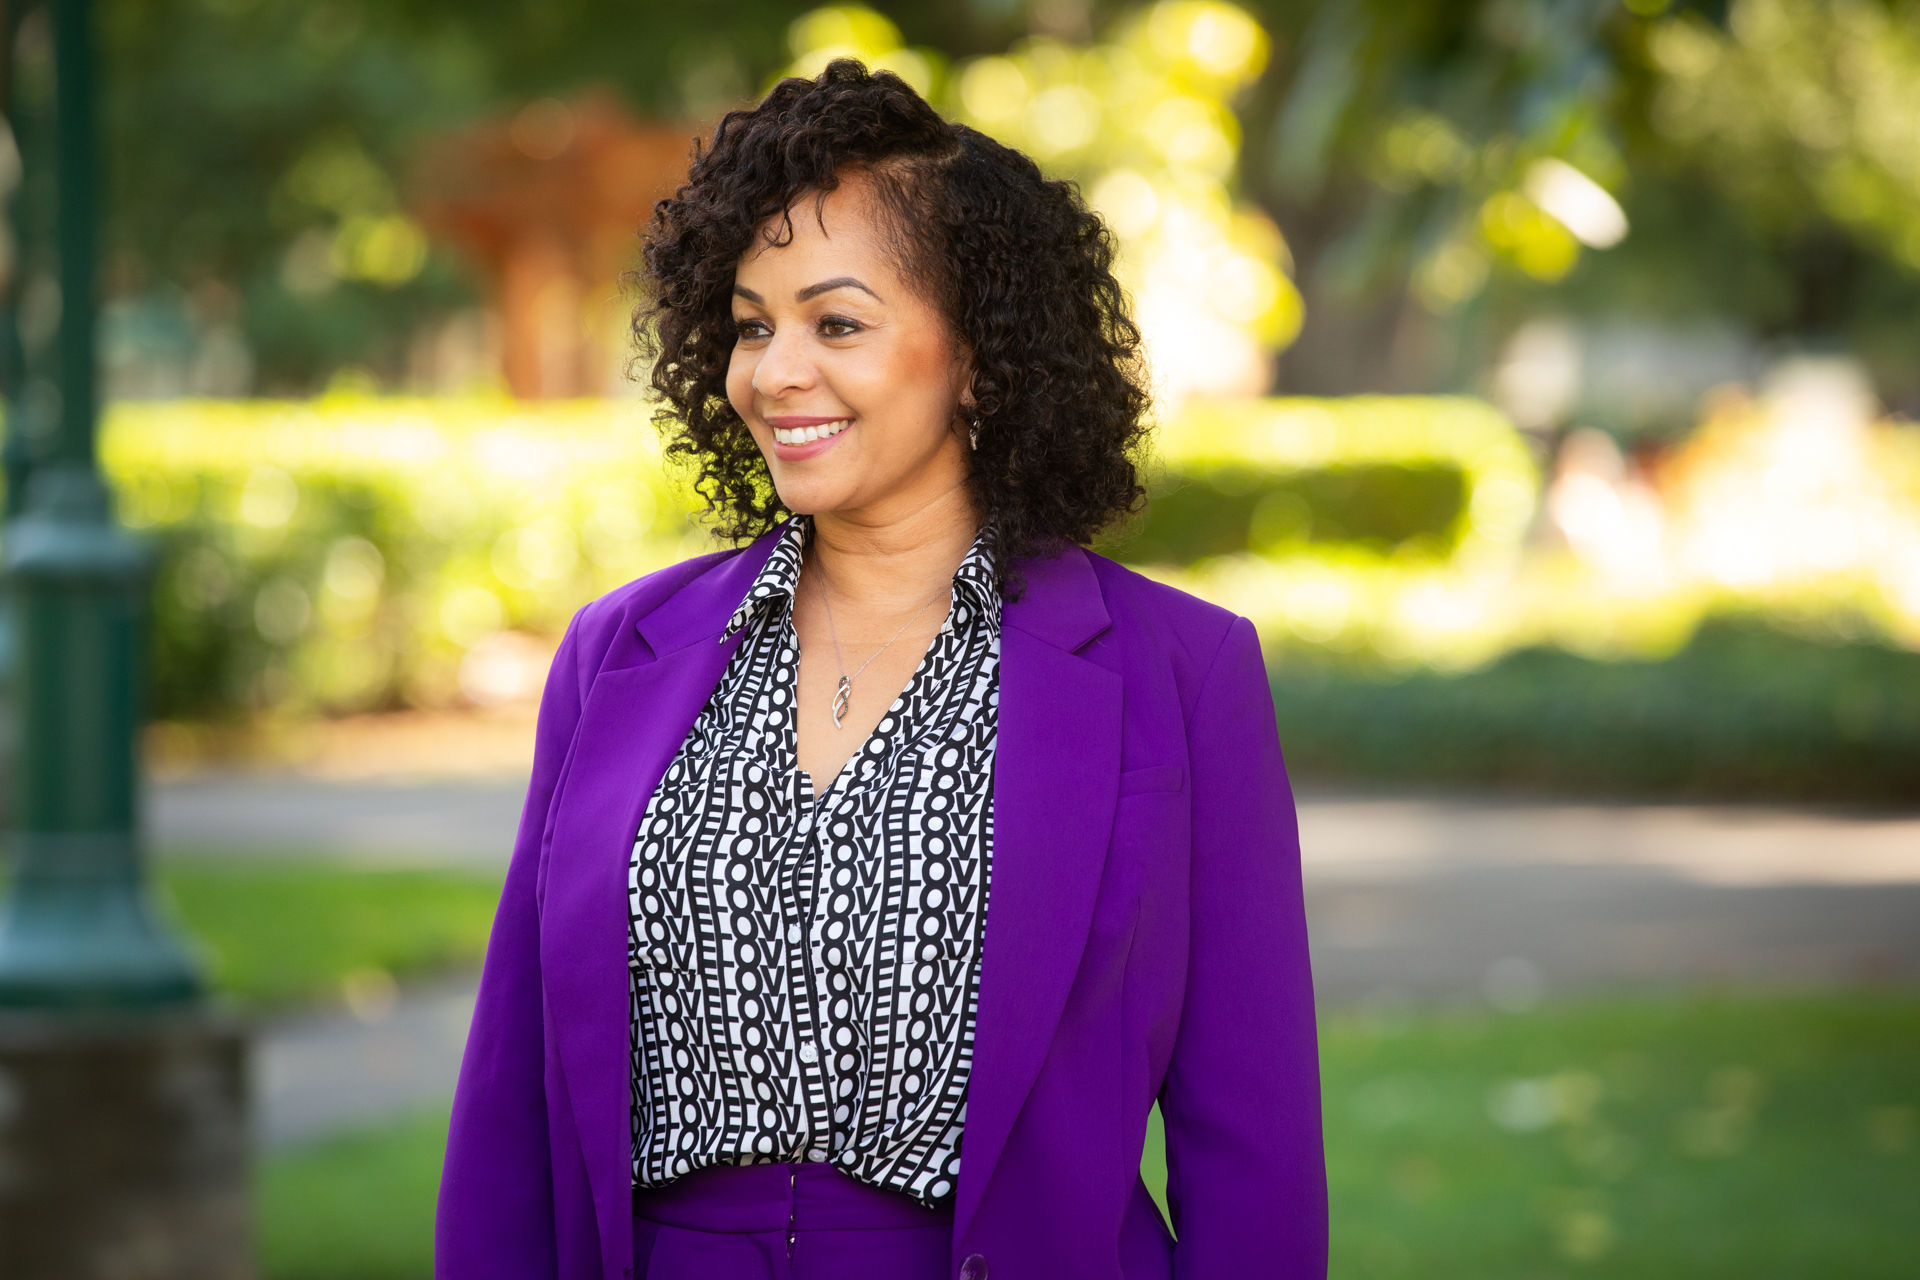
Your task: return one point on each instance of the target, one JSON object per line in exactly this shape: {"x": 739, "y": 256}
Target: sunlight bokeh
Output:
{"x": 1143, "y": 121}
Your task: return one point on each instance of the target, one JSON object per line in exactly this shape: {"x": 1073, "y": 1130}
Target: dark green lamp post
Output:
{"x": 123, "y": 1139}
{"x": 76, "y": 930}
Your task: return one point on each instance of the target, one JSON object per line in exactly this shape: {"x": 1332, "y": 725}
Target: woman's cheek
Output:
{"x": 740, "y": 382}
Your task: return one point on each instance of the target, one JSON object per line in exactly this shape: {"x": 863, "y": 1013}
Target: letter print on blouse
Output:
{"x": 805, "y": 968}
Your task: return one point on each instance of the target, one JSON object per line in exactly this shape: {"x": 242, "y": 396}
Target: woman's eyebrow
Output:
{"x": 828, "y": 286}
{"x": 748, "y": 294}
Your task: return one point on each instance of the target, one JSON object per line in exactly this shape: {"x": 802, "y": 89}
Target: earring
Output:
{"x": 973, "y": 428}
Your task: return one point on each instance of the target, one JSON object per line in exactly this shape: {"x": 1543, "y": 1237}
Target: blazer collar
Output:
{"x": 1062, "y": 603}
{"x": 699, "y": 610}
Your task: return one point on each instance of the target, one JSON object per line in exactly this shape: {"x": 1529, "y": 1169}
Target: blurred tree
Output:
{"x": 1438, "y": 167}
{"x": 1760, "y": 153}
{"x": 252, "y": 148}
{"x": 256, "y": 148}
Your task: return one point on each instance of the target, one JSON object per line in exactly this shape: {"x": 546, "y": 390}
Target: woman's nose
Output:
{"x": 783, "y": 368}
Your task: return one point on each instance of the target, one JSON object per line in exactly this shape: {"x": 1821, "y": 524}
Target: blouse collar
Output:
{"x": 779, "y": 579}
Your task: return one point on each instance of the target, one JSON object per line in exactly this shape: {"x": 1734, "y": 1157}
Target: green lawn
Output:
{"x": 356, "y": 1207}
{"x": 1688, "y": 1138}
{"x": 1684, "y": 1138}
{"x": 275, "y": 932}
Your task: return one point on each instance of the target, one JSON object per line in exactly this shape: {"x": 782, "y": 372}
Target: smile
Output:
{"x": 807, "y": 435}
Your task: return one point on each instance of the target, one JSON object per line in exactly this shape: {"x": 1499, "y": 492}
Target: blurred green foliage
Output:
{"x": 1386, "y": 509}
{"x": 359, "y": 554}
{"x": 242, "y": 136}
{"x": 1369, "y": 479}
{"x": 1745, "y": 710}
{"x": 1761, "y": 150}
{"x": 348, "y": 554}
{"x": 1758, "y": 147}
{"x": 1142, "y": 118}
{"x": 355, "y": 554}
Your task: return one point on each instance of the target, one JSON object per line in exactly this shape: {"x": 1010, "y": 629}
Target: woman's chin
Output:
{"x": 815, "y": 499}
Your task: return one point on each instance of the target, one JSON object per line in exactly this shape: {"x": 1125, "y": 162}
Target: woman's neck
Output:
{"x": 897, "y": 560}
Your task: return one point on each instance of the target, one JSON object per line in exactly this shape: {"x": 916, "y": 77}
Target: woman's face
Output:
{"x": 849, "y": 380}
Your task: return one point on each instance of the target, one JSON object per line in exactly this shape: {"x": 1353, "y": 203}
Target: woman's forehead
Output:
{"x": 839, "y": 225}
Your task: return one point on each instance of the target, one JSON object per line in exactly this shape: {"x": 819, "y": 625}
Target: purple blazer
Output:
{"x": 1145, "y": 939}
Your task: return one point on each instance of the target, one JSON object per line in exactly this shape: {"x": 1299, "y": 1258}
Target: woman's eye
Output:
{"x": 751, "y": 328}
{"x": 838, "y": 326}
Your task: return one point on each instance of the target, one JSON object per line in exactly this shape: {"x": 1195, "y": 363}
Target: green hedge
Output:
{"x": 1388, "y": 509}
{"x": 1743, "y": 711}
{"x": 1382, "y": 476}
{"x": 345, "y": 555}
{"x": 349, "y": 553}
{"x": 355, "y": 553}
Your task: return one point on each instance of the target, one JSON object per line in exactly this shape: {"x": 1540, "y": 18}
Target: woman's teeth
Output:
{"x": 806, "y": 435}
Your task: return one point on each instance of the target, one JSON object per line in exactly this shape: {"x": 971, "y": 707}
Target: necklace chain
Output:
{"x": 843, "y": 695}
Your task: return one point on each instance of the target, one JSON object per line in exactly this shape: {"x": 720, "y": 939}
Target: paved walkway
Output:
{"x": 1409, "y": 897}
{"x": 1445, "y": 896}
{"x": 425, "y": 822}
{"x": 319, "y": 1074}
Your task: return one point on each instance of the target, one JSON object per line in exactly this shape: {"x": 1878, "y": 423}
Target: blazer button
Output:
{"x": 974, "y": 1268}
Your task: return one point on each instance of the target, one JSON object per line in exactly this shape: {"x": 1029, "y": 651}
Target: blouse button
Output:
{"x": 808, "y": 1053}
{"x": 974, "y": 1268}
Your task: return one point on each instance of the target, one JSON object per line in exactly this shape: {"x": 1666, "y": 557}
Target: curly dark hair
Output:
{"x": 1019, "y": 266}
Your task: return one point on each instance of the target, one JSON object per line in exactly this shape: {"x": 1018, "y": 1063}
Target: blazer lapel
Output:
{"x": 1056, "y": 781}
{"x": 632, "y": 724}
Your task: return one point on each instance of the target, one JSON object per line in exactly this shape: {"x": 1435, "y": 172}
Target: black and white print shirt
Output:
{"x": 805, "y": 968}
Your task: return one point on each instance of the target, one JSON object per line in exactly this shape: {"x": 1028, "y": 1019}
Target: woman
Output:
{"x": 910, "y": 825}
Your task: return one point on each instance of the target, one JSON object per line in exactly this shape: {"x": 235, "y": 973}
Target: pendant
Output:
{"x": 841, "y": 699}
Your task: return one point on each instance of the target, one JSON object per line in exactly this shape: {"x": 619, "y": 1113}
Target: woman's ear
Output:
{"x": 969, "y": 413}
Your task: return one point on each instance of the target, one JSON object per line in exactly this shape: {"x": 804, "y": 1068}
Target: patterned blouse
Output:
{"x": 806, "y": 966}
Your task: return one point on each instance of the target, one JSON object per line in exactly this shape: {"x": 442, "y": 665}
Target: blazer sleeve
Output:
{"x": 496, "y": 1211}
{"x": 1246, "y": 1170}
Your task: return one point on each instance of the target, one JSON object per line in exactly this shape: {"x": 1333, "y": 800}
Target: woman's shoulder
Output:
{"x": 1075, "y": 595}
{"x": 1159, "y": 637}
{"x": 1150, "y": 634}
{"x": 1156, "y": 613}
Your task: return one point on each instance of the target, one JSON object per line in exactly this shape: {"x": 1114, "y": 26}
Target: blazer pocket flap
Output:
{"x": 1161, "y": 777}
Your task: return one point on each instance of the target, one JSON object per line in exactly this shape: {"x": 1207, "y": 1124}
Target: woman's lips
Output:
{"x": 796, "y": 438}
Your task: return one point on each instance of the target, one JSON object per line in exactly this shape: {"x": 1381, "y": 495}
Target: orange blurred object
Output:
{"x": 548, "y": 205}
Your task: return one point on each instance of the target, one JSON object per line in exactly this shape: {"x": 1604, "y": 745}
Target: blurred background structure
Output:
{"x": 123, "y": 1130}
{"x": 1540, "y": 376}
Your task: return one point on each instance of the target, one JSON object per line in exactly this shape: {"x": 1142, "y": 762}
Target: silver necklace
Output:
{"x": 844, "y": 694}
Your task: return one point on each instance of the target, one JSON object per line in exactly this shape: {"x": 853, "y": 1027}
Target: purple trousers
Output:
{"x": 785, "y": 1222}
